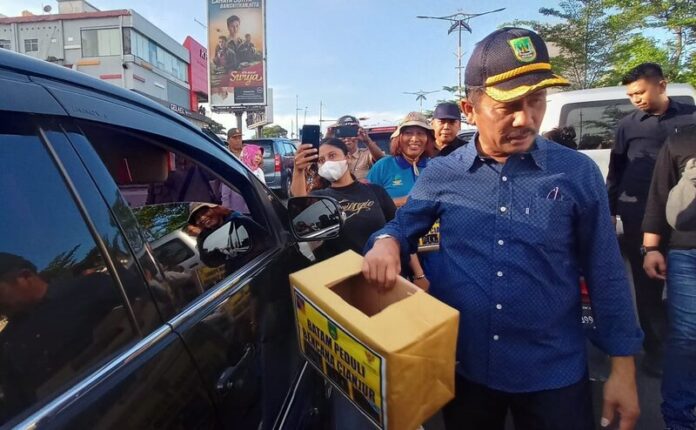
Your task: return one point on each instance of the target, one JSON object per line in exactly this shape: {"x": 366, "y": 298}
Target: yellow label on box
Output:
{"x": 350, "y": 365}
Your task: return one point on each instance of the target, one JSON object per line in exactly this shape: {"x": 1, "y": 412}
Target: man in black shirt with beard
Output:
{"x": 639, "y": 137}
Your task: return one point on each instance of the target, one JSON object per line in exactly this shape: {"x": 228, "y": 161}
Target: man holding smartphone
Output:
{"x": 360, "y": 160}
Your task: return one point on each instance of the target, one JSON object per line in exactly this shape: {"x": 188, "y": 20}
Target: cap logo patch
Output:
{"x": 523, "y": 48}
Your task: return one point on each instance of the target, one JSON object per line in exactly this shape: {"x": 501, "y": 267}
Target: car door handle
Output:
{"x": 227, "y": 379}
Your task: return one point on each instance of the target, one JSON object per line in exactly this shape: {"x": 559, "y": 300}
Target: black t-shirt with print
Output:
{"x": 367, "y": 207}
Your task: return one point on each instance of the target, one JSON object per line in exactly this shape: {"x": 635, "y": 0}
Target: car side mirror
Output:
{"x": 315, "y": 218}
{"x": 231, "y": 240}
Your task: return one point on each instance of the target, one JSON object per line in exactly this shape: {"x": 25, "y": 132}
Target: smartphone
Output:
{"x": 311, "y": 134}
{"x": 346, "y": 131}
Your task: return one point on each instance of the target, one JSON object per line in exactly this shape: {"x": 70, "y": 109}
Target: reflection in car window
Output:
{"x": 61, "y": 310}
{"x": 164, "y": 189}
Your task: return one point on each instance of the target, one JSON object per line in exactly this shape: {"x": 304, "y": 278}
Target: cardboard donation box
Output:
{"x": 391, "y": 352}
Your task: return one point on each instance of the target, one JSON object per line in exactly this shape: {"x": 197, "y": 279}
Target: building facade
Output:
{"x": 117, "y": 46}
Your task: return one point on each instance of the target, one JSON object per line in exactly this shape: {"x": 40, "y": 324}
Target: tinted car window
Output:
{"x": 267, "y": 145}
{"x": 62, "y": 313}
{"x": 595, "y": 122}
{"x": 191, "y": 218}
{"x": 289, "y": 149}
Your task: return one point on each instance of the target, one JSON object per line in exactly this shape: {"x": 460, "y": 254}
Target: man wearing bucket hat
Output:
{"x": 520, "y": 219}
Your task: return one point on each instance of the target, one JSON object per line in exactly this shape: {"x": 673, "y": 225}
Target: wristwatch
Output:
{"x": 645, "y": 249}
{"x": 383, "y": 236}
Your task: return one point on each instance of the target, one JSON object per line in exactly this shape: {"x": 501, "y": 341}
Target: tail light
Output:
{"x": 276, "y": 167}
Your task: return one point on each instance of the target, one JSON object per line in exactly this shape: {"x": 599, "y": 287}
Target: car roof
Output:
{"x": 32, "y": 67}
{"x": 611, "y": 93}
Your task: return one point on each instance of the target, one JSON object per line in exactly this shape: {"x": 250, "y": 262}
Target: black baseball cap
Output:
{"x": 347, "y": 120}
{"x": 511, "y": 63}
{"x": 447, "y": 110}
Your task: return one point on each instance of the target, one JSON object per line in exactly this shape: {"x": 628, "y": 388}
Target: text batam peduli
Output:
{"x": 349, "y": 364}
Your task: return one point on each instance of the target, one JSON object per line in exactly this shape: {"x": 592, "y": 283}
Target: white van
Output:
{"x": 595, "y": 113}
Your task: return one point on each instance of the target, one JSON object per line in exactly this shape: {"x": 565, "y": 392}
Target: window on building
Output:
{"x": 5, "y": 44}
{"x": 101, "y": 42}
{"x": 31, "y": 45}
{"x": 165, "y": 61}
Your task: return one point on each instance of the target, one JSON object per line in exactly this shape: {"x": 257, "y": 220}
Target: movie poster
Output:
{"x": 236, "y": 51}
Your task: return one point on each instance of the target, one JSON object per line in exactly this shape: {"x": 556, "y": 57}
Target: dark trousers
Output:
{"x": 652, "y": 313}
{"x": 478, "y": 407}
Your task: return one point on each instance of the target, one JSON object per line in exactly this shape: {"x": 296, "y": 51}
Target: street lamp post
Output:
{"x": 460, "y": 20}
{"x": 420, "y": 96}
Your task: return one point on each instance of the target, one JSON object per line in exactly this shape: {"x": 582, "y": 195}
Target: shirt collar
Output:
{"x": 470, "y": 156}
{"x": 402, "y": 163}
{"x": 673, "y": 108}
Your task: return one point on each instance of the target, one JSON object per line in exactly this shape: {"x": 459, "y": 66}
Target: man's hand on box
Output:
{"x": 382, "y": 264}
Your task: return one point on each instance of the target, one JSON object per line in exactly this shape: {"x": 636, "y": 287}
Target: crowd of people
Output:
{"x": 522, "y": 217}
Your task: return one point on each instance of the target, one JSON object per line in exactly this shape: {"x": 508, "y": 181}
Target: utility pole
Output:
{"x": 297, "y": 119}
{"x": 460, "y": 20}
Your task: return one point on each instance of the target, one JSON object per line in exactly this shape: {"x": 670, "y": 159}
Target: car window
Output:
{"x": 595, "y": 122}
{"x": 61, "y": 312}
{"x": 289, "y": 149}
{"x": 267, "y": 145}
{"x": 188, "y": 215}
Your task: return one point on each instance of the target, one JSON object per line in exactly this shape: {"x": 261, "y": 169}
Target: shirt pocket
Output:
{"x": 548, "y": 222}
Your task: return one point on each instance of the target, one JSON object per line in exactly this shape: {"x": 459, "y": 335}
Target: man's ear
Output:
{"x": 468, "y": 110}
{"x": 663, "y": 86}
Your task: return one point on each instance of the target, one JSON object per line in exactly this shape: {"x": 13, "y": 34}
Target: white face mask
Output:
{"x": 332, "y": 171}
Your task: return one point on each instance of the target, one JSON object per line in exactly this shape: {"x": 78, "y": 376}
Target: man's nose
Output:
{"x": 522, "y": 118}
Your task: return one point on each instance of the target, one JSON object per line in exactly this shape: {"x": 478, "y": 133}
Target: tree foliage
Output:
{"x": 274, "y": 131}
{"x": 598, "y": 41}
{"x": 585, "y": 38}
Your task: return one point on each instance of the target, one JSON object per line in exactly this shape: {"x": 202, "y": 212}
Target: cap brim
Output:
{"x": 448, "y": 117}
{"x": 192, "y": 215}
{"x": 411, "y": 124}
{"x": 516, "y": 88}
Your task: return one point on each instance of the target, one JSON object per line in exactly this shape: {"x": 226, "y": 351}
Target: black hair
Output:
{"x": 335, "y": 142}
{"x": 643, "y": 71}
{"x": 11, "y": 264}
{"x": 233, "y": 18}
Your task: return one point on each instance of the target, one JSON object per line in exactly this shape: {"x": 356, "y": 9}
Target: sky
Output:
{"x": 354, "y": 57}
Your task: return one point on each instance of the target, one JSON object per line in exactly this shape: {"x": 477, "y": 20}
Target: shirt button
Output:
{"x": 496, "y": 337}
{"x": 522, "y": 157}
{"x": 501, "y": 242}
{"x": 503, "y": 209}
{"x": 504, "y": 178}
{"x": 500, "y": 274}
{"x": 499, "y": 306}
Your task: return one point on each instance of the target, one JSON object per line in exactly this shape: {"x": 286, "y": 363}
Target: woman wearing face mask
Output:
{"x": 412, "y": 144}
{"x": 367, "y": 206}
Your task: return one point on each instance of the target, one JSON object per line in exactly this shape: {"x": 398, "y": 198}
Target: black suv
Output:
{"x": 143, "y": 269}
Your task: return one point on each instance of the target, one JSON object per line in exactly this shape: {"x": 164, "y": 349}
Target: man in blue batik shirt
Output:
{"x": 521, "y": 218}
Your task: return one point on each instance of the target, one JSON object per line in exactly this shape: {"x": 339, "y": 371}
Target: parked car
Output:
{"x": 116, "y": 311}
{"x": 278, "y": 162}
{"x": 594, "y": 115}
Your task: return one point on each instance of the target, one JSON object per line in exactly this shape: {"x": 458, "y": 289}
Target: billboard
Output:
{"x": 261, "y": 116}
{"x": 236, "y": 52}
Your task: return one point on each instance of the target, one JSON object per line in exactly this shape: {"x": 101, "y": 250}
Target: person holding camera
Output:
{"x": 360, "y": 160}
